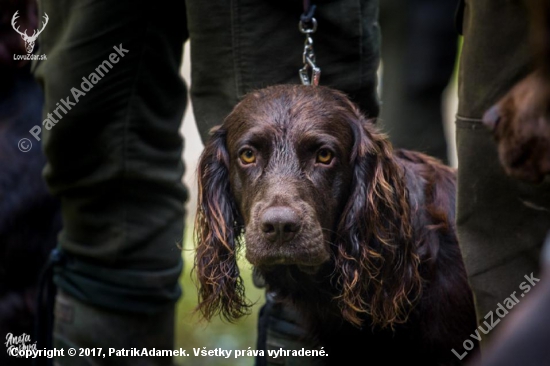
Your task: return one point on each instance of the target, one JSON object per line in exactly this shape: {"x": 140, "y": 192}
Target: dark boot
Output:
{"x": 78, "y": 326}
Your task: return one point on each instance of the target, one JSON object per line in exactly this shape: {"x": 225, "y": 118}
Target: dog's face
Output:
{"x": 290, "y": 174}
{"x": 318, "y": 195}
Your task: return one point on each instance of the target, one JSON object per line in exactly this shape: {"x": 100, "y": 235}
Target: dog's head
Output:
{"x": 301, "y": 177}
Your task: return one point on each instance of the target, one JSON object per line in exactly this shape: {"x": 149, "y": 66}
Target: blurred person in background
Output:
{"x": 419, "y": 49}
{"x": 501, "y": 221}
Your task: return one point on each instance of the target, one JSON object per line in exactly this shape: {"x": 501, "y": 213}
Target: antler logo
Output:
{"x": 29, "y": 41}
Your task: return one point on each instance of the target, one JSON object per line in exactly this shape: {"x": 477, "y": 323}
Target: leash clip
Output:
{"x": 310, "y": 73}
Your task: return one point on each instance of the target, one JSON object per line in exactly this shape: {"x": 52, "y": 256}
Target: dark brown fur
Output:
{"x": 376, "y": 250}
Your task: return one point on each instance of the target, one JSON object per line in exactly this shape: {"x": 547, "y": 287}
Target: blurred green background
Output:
{"x": 192, "y": 332}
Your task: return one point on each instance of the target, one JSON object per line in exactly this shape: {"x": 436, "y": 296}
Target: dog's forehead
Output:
{"x": 291, "y": 111}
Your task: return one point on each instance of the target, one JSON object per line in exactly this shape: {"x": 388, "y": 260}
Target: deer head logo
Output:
{"x": 29, "y": 41}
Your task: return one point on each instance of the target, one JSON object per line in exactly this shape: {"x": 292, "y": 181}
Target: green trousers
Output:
{"x": 501, "y": 222}
{"x": 419, "y": 48}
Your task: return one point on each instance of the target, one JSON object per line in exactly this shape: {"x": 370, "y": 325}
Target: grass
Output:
{"x": 192, "y": 332}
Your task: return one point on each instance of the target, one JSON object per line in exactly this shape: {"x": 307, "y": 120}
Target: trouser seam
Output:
{"x": 468, "y": 119}
{"x": 126, "y": 125}
{"x": 468, "y": 123}
{"x": 502, "y": 262}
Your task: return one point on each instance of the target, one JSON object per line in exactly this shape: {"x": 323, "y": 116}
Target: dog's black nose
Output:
{"x": 280, "y": 224}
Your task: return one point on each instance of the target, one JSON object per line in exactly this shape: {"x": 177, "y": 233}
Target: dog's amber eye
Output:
{"x": 248, "y": 156}
{"x": 324, "y": 156}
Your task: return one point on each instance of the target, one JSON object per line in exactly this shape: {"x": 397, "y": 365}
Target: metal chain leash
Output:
{"x": 310, "y": 73}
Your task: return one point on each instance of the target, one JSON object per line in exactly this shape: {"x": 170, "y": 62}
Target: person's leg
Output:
{"x": 280, "y": 327}
{"x": 523, "y": 339}
{"x": 501, "y": 222}
{"x": 243, "y": 45}
{"x": 419, "y": 44}
{"x": 114, "y": 159}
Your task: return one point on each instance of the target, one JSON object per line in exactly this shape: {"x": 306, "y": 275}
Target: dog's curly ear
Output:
{"x": 217, "y": 230}
{"x": 378, "y": 265}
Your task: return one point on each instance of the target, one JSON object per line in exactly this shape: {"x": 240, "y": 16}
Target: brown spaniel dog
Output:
{"x": 359, "y": 238}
